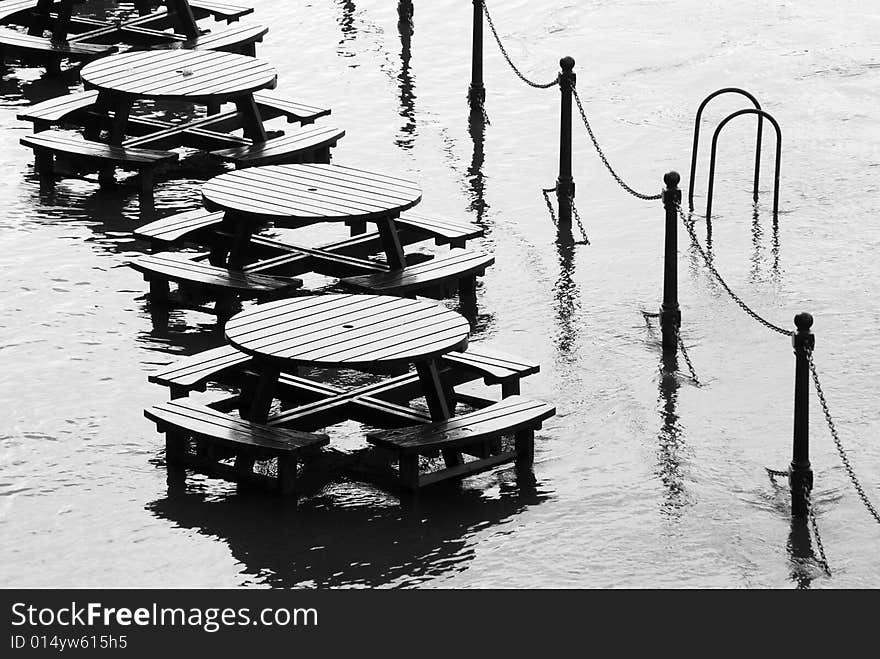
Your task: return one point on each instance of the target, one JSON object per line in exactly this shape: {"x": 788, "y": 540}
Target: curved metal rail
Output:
{"x": 762, "y": 114}
{"x": 725, "y": 90}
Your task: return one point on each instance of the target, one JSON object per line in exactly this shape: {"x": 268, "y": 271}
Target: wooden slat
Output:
{"x": 231, "y": 37}
{"x": 200, "y": 368}
{"x": 20, "y": 41}
{"x": 87, "y": 149}
{"x": 458, "y": 263}
{"x": 206, "y": 422}
{"x": 178, "y": 267}
{"x": 347, "y": 330}
{"x": 441, "y": 228}
{"x": 310, "y": 191}
{"x": 505, "y": 417}
{"x": 272, "y": 106}
{"x": 496, "y": 366}
{"x": 180, "y": 74}
{"x": 178, "y": 226}
{"x": 293, "y": 145}
{"x": 224, "y": 10}
{"x": 56, "y": 109}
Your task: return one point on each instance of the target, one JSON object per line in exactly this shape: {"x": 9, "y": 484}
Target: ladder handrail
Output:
{"x": 725, "y": 90}
{"x": 762, "y": 114}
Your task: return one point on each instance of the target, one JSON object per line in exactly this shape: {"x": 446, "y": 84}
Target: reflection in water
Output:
{"x": 670, "y": 440}
{"x": 800, "y": 552}
{"x": 346, "y": 24}
{"x": 405, "y": 82}
{"x": 475, "y": 176}
{"x": 371, "y": 541}
{"x": 566, "y": 300}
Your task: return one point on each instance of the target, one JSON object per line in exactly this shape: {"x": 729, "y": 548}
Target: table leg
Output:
{"x": 121, "y": 109}
{"x": 62, "y": 23}
{"x": 182, "y": 18}
{"x": 40, "y": 19}
{"x": 263, "y": 393}
{"x": 251, "y": 120}
{"x": 391, "y": 243}
{"x": 440, "y": 403}
{"x": 240, "y": 228}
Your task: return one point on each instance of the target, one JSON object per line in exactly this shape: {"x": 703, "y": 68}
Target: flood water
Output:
{"x": 642, "y": 479}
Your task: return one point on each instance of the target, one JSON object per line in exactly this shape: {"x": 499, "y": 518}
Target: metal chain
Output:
{"x": 689, "y": 225}
{"x": 777, "y": 472}
{"x": 577, "y": 218}
{"x": 602, "y": 156}
{"x": 687, "y": 361}
{"x": 513, "y": 66}
{"x": 823, "y": 560}
{"x": 843, "y": 456}
{"x": 545, "y": 191}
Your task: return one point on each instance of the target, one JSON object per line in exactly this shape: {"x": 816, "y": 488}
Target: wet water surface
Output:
{"x": 642, "y": 478}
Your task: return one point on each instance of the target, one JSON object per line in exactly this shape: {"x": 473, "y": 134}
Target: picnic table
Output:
{"x": 81, "y": 38}
{"x": 300, "y": 195}
{"x": 361, "y": 332}
{"x": 269, "y": 343}
{"x": 192, "y": 76}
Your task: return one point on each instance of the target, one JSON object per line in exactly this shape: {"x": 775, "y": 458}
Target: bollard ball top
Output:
{"x": 803, "y": 321}
{"x": 671, "y": 179}
{"x": 567, "y": 63}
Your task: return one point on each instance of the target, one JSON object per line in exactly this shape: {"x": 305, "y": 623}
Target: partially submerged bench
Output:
{"x": 180, "y": 227}
{"x": 241, "y": 39}
{"x": 48, "y": 144}
{"x": 458, "y": 269}
{"x": 225, "y": 11}
{"x": 308, "y": 144}
{"x": 226, "y": 364}
{"x": 226, "y": 284}
{"x": 221, "y": 436}
{"x": 477, "y": 432}
{"x": 51, "y": 50}
{"x": 443, "y": 231}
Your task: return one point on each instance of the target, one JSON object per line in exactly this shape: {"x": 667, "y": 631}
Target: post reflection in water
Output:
{"x": 670, "y": 442}
{"x": 476, "y": 178}
{"x": 404, "y": 78}
{"x": 370, "y": 542}
{"x": 566, "y": 299}
{"x": 800, "y": 552}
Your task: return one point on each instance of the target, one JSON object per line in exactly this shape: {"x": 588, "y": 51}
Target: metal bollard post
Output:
{"x": 565, "y": 182}
{"x": 477, "y": 92}
{"x": 800, "y": 477}
{"x": 670, "y": 313}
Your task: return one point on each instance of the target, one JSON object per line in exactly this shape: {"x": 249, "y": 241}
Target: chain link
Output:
{"x": 513, "y": 66}
{"x": 687, "y": 360}
{"x": 843, "y": 456}
{"x": 577, "y": 218}
{"x": 602, "y": 156}
{"x": 823, "y": 560}
{"x": 546, "y": 192}
{"x": 689, "y": 225}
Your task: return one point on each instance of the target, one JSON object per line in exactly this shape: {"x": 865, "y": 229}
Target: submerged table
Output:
{"x": 348, "y": 331}
{"x": 202, "y": 77}
{"x": 299, "y": 195}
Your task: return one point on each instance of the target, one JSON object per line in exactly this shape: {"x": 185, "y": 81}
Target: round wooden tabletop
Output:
{"x": 310, "y": 193}
{"x": 179, "y": 74}
{"x": 352, "y": 331}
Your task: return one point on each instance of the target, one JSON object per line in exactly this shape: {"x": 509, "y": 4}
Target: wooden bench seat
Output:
{"x": 47, "y": 144}
{"x": 58, "y": 111}
{"x": 179, "y": 227}
{"x": 246, "y": 441}
{"x": 434, "y": 278}
{"x": 272, "y": 106}
{"x": 241, "y": 39}
{"x": 219, "y": 10}
{"x": 9, "y": 8}
{"x": 444, "y": 232}
{"x": 308, "y": 144}
{"x": 515, "y": 416}
{"x": 226, "y": 284}
{"x": 192, "y": 373}
{"x": 12, "y": 40}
